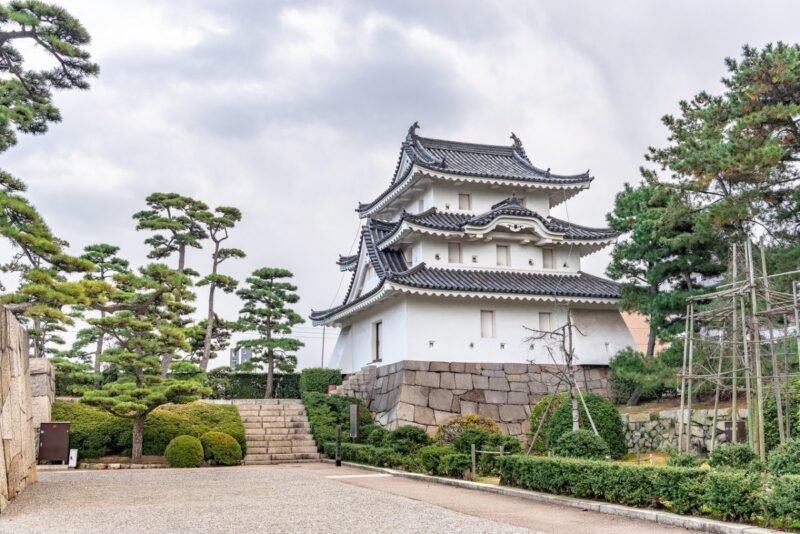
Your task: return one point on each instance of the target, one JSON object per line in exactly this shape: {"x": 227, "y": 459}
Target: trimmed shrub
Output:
{"x": 97, "y": 433}
{"x": 783, "y": 499}
{"x": 455, "y": 465}
{"x": 226, "y": 384}
{"x": 456, "y": 425}
{"x": 733, "y": 494}
{"x": 318, "y": 379}
{"x": 581, "y": 444}
{"x": 538, "y": 411}
{"x": 733, "y": 455}
{"x": 221, "y": 449}
{"x": 326, "y": 411}
{"x": 675, "y": 458}
{"x": 606, "y": 419}
{"x": 785, "y": 458}
{"x": 184, "y": 451}
{"x": 431, "y": 457}
{"x": 379, "y": 437}
{"x": 408, "y": 439}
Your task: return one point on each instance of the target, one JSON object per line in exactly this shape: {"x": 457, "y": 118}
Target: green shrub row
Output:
{"x": 326, "y": 411}
{"x": 226, "y": 384}
{"x": 722, "y": 493}
{"x": 317, "y": 379}
{"x": 97, "y": 433}
{"x": 217, "y": 448}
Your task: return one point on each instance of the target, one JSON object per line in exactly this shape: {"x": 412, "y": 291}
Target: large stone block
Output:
{"x": 492, "y": 366}
{"x": 456, "y": 367}
{"x": 489, "y": 410}
{"x": 475, "y": 395}
{"x": 468, "y": 407}
{"x": 440, "y": 399}
{"x": 439, "y": 366}
{"x": 405, "y": 411}
{"x": 480, "y": 382}
{"x": 463, "y": 381}
{"x": 407, "y": 376}
{"x": 517, "y": 397}
{"x": 511, "y": 412}
{"x": 515, "y": 368}
{"x": 424, "y": 416}
{"x": 499, "y": 384}
{"x": 496, "y": 397}
{"x": 443, "y": 417}
{"x": 417, "y": 395}
{"x": 520, "y": 386}
{"x": 447, "y": 380}
{"x": 427, "y": 378}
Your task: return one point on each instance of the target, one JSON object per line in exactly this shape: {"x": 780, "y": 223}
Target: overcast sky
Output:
{"x": 295, "y": 111}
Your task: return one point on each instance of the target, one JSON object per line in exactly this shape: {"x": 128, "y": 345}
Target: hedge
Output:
{"x": 229, "y": 385}
{"x": 184, "y": 451}
{"x": 326, "y": 411}
{"x": 318, "y": 379}
{"x": 721, "y": 493}
{"x": 97, "y": 433}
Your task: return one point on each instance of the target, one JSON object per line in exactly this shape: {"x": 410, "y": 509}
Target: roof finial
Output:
{"x": 517, "y": 146}
{"x": 412, "y": 131}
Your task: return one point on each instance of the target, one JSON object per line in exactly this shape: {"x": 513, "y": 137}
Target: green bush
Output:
{"x": 221, "y": 449}
{"x": 783, "y": 499}
{"x": 431, "y": 457}
{"x": 97, "y": 433}
{"x": 408, "y": 439}
{"x": 771, "y": 431}
{"x": 184, "y": 451}
{"x": 785, "y": 458}
{"x": 733, "y": 494}
{"x": 318, "y": 379}
{"x": 675, "y": 458}
{"x": 456, "y": 425}
{"x": 581, "y": 444}
{"x": 733, "y": 455}
{"x": 630, "y": 369}
{"x": 606, "y": 419}
{"x": 455, "y": 465}
{"x": 226, "y": 384}
{"x": 326, "y": 411}
{"x": 538, "y": 411}
{"x": 379, "y": 437}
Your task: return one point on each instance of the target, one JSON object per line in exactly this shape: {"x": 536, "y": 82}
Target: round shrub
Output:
{"x": 455, "y": 426}
{"x": 184, "y": 451}
{"x": 221, "y": 449}
{"x": 455, "y": 465}
{"x": 581, "y": 444}
{"x": 785, "y": 459}
{"x": 733, "y": 455}
{"x": 408, "y": 439}
{"x": 606, "y": 419}
{"x": 538, "y": 411}
{"x": 378, "y": 437}
{"x": 431, "y": 457}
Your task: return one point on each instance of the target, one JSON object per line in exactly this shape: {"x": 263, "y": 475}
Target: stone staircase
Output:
{"x": 277, "y": 431}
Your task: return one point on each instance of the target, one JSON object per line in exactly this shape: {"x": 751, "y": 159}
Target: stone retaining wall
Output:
{"x": 17, "y": 449}
{"x": 658, "y": 430}
{"x": 427, "y": 394}
{"x": 43, "y": 392}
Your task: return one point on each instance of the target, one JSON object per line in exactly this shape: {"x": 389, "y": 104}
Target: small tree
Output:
{"x": 141, "y": 321}
{"x": 217, "y": 226}
{"x": 265, "y": 312}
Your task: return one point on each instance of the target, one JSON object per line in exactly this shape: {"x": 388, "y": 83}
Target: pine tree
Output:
{"x": 221, "y": 334}
{"x": 216, "y": 226}
{"x": 142, "y": 322}
{"x": 265, "y": 312}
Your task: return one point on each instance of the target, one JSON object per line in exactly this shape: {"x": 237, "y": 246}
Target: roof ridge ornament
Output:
{"x": 517, "y": 146}
{"x": 412, "y": 132}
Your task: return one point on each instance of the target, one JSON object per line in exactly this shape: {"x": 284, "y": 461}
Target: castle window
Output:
{"x": 376, "y": 341}
{"x": 464, "y": 201}
{"x": 454, "y": 252}
{"x": 503, "y": 255}
{"x": 420, "y": 205}
{"x": 487, "y": 323}
{"x": 548, "y": 259}
{"x": 545, "y": 322}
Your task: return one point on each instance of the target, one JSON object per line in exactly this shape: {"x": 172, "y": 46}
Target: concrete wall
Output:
{"x": 17, "y": 449}
{"x": 428, "y": 394}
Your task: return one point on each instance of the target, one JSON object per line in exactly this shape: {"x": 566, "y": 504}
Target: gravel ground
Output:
{"x": 237, "y": 499}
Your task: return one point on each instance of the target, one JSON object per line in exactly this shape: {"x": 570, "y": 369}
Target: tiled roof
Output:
{"x": 346, "y": 260}
{"x": 382, "y": 261}
{"x": 506, "y": 162}
{"x": 432, "y": 218}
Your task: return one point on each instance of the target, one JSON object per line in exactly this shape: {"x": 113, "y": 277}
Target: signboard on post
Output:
{"x": 354, "y": 417}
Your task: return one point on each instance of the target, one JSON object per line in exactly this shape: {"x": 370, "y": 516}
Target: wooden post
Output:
{"x": 474, "y": 457}
{"x": 683, "y": 382}
{"x": 776, "y": 383}
{"x": 716, "y": 394}
{"x": 689, "y": 379}
{"x": 762, "y": 453}
{"x": 734, "y": 356}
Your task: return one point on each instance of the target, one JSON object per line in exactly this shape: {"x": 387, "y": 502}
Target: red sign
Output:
{"x": 331, "y": 388}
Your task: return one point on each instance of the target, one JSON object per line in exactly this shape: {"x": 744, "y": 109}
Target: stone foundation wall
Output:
{"x": 43, "y": 391}
{"x": 658, "y": 430}
{"x": 427, "y": 394}
{"x": 17, "y": 449}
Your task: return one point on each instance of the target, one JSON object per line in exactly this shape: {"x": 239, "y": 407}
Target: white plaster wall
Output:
{"x": 483, "y": 199}
{"x": 428, "y": 247}
{"x": 392, "y": 313}
{"x": 606, "y": 334}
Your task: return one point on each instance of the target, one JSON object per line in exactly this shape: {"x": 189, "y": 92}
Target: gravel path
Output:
{"x": 238, "y": 499}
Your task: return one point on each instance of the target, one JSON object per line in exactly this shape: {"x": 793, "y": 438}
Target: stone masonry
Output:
{"x": 428, "y": 394}
{"x": 17, "y": 450}
{"x": 658, "y": 430}
{"x": 43, "y": 392}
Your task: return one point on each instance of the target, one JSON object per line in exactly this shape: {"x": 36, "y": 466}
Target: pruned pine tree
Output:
{"x": 141, "y": 323}
{"x": 26, "y": 106}
{"x": 176, "y": 221}
{"x": 217, "y": 225}
{"x": 266, "y": 314}
{"x": 221, "y": 333}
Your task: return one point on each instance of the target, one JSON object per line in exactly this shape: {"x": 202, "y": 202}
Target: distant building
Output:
{"x": 460, "y": 253}
{"x": 239, "y": 356}
{"x": 640, "y": 331}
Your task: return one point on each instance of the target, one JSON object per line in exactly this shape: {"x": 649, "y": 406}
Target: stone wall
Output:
{"x": 427, "y": 394}
{"x": 658, "y": 430}
{"x": 43, "y": 390}
{"x": 17, "y": 449}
